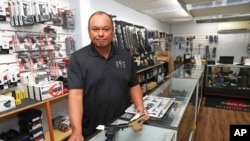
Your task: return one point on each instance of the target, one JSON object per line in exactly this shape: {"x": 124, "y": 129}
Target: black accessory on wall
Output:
{"x": 207, "y": 53}
{"x": 68, "y": 20}
{"x": 211, "y": 39}
{"x": 214, "y": 52}
{"x": 215, "y": 38}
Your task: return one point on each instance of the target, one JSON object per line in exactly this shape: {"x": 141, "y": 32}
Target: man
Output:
{"x": 102, "y": 80}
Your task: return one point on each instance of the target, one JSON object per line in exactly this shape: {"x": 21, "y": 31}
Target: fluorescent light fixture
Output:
{"x": 162, "y": 10}
{"x": 178, "y": 19}
{"x": 216, "y": 3}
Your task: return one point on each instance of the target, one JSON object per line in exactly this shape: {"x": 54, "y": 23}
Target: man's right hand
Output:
{"x": 76, "y": 137}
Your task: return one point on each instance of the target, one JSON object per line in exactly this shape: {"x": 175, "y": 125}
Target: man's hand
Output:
{"x": 76, "y": 137}
{"x": 142, "y": 110}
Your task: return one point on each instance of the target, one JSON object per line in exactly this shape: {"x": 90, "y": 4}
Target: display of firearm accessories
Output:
{"x": 34, "y": 41}
{"x": 118, "y": 34}
{"x": 57, "y": 69}
{"x": 2, "y": 12}
{"x": 130, "y": 39}
{"x": 70, "y": 45}
{"x": 68, "y": 20}
{"x": 53, "y": 10}
{"x": 148, "y": 46}
{"x": 36, "y": 61}
{"x": 42, "y": 41}
{"x": 21, "y": 42}
{"x": 58, "y": 20}
{"x": 26, "y": 14}
{"x": 49, "y": 29}
{"x": 23, "y": 61}
{"x": 13, "y": 75}
{"x": 41, "y": 11}
{"x": 11, "y": 13}
{"x": 141, "y": 48}
{"x": 124, "y": 36}
{"x": 50, "y": 41}
{"x": 3, "y": 77}
{"x": 5, "y": 44}
{"x": 207, "y": 52}
{"x": 133, "y": 39}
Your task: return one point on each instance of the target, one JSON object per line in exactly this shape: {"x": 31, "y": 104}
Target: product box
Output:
{"x": 162, "y": 56}
{"x": 41, "y": 11}
{"x": 3, "y": 11}
{"x": 26, "y": 15}
{"x": 6, "y": 103}
{"x": 3, "y": 77}
{"x": 45, "y": 90}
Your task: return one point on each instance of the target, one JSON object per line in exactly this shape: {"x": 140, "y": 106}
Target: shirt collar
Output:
{"x": 93, "y": 51}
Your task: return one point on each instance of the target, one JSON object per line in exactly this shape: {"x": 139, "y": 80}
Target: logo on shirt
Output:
{"x": 120, "y": 64}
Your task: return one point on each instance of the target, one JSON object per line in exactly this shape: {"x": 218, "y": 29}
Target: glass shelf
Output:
{"x": 192, "y": 72}
{"x": 180, "y": 89}
{"x": 227, "y": 80}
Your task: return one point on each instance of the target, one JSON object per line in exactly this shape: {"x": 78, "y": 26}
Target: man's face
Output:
{"x": 101, "y": 31}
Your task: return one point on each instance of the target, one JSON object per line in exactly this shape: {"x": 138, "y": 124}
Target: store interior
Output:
{"x": 197, "y": 59}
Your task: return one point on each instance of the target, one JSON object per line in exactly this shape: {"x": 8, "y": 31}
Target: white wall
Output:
{"x": 194, "y": 28}
{"x": 81, "y": 14}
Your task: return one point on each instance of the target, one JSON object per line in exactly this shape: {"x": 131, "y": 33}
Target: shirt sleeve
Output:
{"x": 75, "y": 78}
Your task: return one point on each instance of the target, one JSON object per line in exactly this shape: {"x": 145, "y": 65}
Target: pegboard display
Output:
{"x": 211, "y": 45}
{"x": 35, "y": 36}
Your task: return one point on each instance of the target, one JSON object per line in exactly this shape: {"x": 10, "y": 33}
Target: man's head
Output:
{"x": 101, "y": 30}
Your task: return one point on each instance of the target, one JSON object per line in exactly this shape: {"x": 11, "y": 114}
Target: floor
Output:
{"x": 213, "y": 124}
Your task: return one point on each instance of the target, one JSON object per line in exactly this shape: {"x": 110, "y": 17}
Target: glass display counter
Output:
{"x": 192, "y": 72}
{"x": 148, "y": 133}
{"x": 227, "y": 80}
{"x": 181, "y": 114}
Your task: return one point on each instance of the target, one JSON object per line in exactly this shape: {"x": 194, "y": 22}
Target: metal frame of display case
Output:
{"x": 219, "y": 84}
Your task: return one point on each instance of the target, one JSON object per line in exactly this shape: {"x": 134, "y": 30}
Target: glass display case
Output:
{"x": 192, "y": 72}
{"x": 128, "y": 134}
{"x": 227, "y": 80}
{"x": 181, "y": 114}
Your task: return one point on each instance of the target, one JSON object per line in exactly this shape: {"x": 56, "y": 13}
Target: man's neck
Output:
{"x": 104, "y": 51}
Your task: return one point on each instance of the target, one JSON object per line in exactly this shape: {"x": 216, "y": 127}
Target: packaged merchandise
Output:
{"x": 6, "y": 103}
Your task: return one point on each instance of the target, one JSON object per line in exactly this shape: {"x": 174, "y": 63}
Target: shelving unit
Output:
{"x": 154, "y": 73}
{"x": 51, "y": 134}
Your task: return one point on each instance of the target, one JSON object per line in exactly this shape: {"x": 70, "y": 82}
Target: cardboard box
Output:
{"x": 6, "y": 103}
{"x": 45, "y": 90}
{"x": 163, "y": 56}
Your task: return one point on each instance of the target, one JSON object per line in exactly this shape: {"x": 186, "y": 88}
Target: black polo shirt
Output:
{"x": 105, "y": 82}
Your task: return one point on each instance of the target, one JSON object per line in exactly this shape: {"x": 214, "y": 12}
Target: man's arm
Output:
{"x": 75, "y": 109}
{"x": 137, "y": 98}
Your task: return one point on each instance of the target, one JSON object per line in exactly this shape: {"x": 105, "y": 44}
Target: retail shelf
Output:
{"x": 58, "y": 135}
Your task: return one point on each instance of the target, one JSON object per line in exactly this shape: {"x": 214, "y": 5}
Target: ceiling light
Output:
{"x": 162, "y": 10}
{"x": 216, "y": 3}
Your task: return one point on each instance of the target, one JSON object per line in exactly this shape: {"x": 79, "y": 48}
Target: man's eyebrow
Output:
{"x": 101, "y": 27}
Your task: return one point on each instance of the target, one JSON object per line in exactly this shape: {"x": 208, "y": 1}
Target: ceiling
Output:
{"x": 187, "y": 11}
